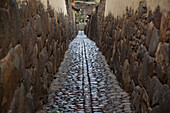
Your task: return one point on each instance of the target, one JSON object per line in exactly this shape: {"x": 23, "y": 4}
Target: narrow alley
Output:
{"x": 84, "y": 56}
{"x": 85, "y": 84}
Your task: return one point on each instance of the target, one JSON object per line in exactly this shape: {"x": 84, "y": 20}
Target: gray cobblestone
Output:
{"x": 85, "y": 84}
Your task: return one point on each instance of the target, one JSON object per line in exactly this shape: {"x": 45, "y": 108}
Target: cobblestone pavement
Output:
{"x": 85, "y": 84}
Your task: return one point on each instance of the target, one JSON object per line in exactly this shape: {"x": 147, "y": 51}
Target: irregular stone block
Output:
{"x": 124, "y": 53}
{"x": 141, "y": 51}
{"x": 142, "y": 9}
{"x": 147, "y": 70}
{"x": 150, "y": 27}
{"x": 154, "y": 42}
{"x": 35, "y": 54}
{"x": 162, "y": 55}
{"x": 38, "y": 25}
{"x": 15, "y": 22}
{"x": 137, "y": 95}
{"x": 154, "y": 91}
{"x": 126, "y": 75}
{"x": 5, "y": 33}
{"x": 4, "y": 3}
{"x": 19, "y": 102}
{"x": 157, "y": 18}
{"x": 164, "y": 28}
{"x": 42, "y": 60}
{"x": 10, "y": 75}
{"x": 164, "y": 99}
{"x": 168, "y": 74}
{"x": 156, "y": 109}
{"x": 28, "y": 56}
{"x": 161, "y": 74}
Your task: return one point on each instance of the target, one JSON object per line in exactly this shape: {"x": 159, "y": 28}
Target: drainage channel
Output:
{"x": 87, "y": 82}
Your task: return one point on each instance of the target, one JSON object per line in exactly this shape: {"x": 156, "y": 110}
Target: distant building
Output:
{"x": 83, "y": 9}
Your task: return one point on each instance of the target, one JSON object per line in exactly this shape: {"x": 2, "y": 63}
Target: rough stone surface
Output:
{"x": 10, "y": 67}
{"x": 126, "y": 75}
{"x": 142, "y": 40}
{"x": 168, "y": 73}
{"x": 28, "y": 52}
{"x": 162, "y": 55}
{"x": 150, "y": 27}
{"x": 154, "y": 42}
{"x": 154, "y": 91}
{"x": 157, "y": 18}
{"x": 164, "y": 28}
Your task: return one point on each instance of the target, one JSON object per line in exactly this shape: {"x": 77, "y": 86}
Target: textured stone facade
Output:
{"x": 136, "y": 46}
{"x": 33, "y": 40}
{"x": 118, "y": 7}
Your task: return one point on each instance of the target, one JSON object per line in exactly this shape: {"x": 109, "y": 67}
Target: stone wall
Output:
{"x": 118, "y": 7}
{"x": 33, "y": 40}
{"x": 137, "y": 48}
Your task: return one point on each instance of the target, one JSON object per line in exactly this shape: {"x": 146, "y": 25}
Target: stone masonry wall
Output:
{"x": 137, "y": 48}
{"x": 118, "y": 7}
{"x": 33, "y": 40}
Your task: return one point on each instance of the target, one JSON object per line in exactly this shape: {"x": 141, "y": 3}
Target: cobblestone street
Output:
{"x": 85, "y": 84}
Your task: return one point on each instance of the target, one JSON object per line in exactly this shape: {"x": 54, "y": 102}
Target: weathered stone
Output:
{"x": 4, "y": 3}
{"x": 28, "y": 56}
{"x": 132, "y": 58}
{"x": 154, "y": 91}
{"x": 19, "y": 102}
{"x": 150, "y": 16}
{"x": 15, "y": 24}
{"x": 42, "y": 60}
{"x": 126, "y": 75}
{"x": 147, "y": 70}
{"x": 157, "y": 18}
{"x": 135, "y": 71}
{"x": 58, "y": 57}
{"x": 143, "y": 38}
{"x": 168, "y": 74}
{"x": 164, "y": 99}
{"x": 36, "y": 88}
{"x": 45, "y": 23}
{"x": 33, "y": 9}
{"x": 154, "y": 42}
{"x": 5, "y": 33}
{"x": 156, "y": 109}
{"x": 55, "y": 57}
{"x": 150, "y": 27}
{"x": 49, "y": 67}
{"x": 38, "y": 25}
{"x": 25, "y": 14}
{"x": 163, "y": 28}
{"x": 40, "y": 44}
{"x": 141, "y": 51}
{"x": 145, "y": 100}
{"x": 161, "y": 74}
{"x": 35, "y": 54}
{"x": 128, "y": 31}
{"x": 137, "y": 95}
{"x": 142, "y": 9}
{"x": 10, "y": 75}
{"x": 162, "y": 55}
{"x": 123, "y": 53}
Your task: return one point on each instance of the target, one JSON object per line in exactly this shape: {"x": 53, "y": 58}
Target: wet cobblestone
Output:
{"x": 85, "y": 84}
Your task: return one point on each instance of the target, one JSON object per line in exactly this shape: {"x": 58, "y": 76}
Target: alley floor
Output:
{"x": 85, "y": 84}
